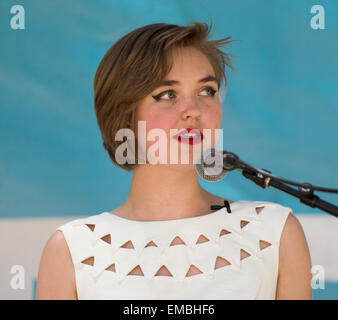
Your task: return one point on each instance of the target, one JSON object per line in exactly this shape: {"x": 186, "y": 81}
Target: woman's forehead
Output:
{"x": 192, "y": 60}
{"x": 180, "y": 55}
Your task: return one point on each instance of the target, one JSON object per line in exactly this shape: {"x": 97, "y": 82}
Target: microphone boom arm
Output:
{"x": 264, "y": 179}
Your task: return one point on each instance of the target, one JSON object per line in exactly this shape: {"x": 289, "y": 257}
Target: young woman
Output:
{"x": 164, "y": 242}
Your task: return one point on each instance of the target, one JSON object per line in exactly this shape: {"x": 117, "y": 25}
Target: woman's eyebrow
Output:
{"x": 172, "y": 82}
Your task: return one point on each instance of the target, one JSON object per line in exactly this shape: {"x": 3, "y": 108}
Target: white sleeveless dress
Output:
{"x": 250, "y": 224}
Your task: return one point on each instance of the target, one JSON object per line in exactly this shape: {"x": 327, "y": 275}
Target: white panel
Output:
{"x": 321, "y": 232}
{"x": 22, "y": 242}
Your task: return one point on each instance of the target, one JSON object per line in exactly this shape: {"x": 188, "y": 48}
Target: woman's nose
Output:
{"x": 190, "y": 108}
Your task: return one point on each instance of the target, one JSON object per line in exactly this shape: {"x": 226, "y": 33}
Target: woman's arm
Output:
{"x": 56, "y": 278}
{"x": 294, "y": 276}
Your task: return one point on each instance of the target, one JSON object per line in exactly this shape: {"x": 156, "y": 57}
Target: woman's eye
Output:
{"x": 169, "y": 93}
{"x": 210, "y": 91}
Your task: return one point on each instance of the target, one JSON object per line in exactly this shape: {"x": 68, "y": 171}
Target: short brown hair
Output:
{"x": 134, "y": 66}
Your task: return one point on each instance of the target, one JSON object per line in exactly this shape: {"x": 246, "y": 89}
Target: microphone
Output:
{"x": 214, "y": 164}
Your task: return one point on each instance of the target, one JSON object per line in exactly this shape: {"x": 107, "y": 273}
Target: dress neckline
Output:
{"x": 187, "y": 219}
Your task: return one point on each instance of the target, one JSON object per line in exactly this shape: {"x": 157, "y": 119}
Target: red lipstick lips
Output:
{"x": 189, "y": 136}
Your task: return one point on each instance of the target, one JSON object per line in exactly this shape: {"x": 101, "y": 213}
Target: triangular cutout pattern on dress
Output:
{"x": 244, "y": 254}
{"x": 128, "y": 245}
{"x": 259, "y": 209}
{"x": 107, "y": 238}
{"x": 193, "y": 270}
{"x": 151, "y": 244}
{"x": 137, "y": 271}
{"x": 244, "y": 223}
{"x": 202, "y": 239}
{"x": 233, "y": 223}
{"x": 111, "y": 268}
{"x": 221, "y": 262}
{"x": 224, "y": 232}
{"x": 89, "y": 261}
{"x": 264, "y": 244}
{"x": 176, "y": 241}
{"x": 163, "y": 271}
{"x": 91, "y": 226}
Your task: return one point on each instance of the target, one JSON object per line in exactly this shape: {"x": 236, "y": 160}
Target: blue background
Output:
{"x": 280, "y": 112}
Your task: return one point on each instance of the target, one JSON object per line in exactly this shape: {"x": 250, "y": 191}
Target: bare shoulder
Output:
{"x": 292, "y": 236}
{"x": 56, "y": 277}
{"x": 294, "y": 276}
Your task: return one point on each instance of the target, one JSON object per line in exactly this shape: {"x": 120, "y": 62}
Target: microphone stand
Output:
{"x": 264, "y": 179}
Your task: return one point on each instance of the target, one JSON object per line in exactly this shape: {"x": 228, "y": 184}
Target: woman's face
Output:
{"x": 189, "y": 100}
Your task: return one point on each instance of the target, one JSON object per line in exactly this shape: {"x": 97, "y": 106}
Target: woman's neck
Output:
{"x": 163, "y": 193}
